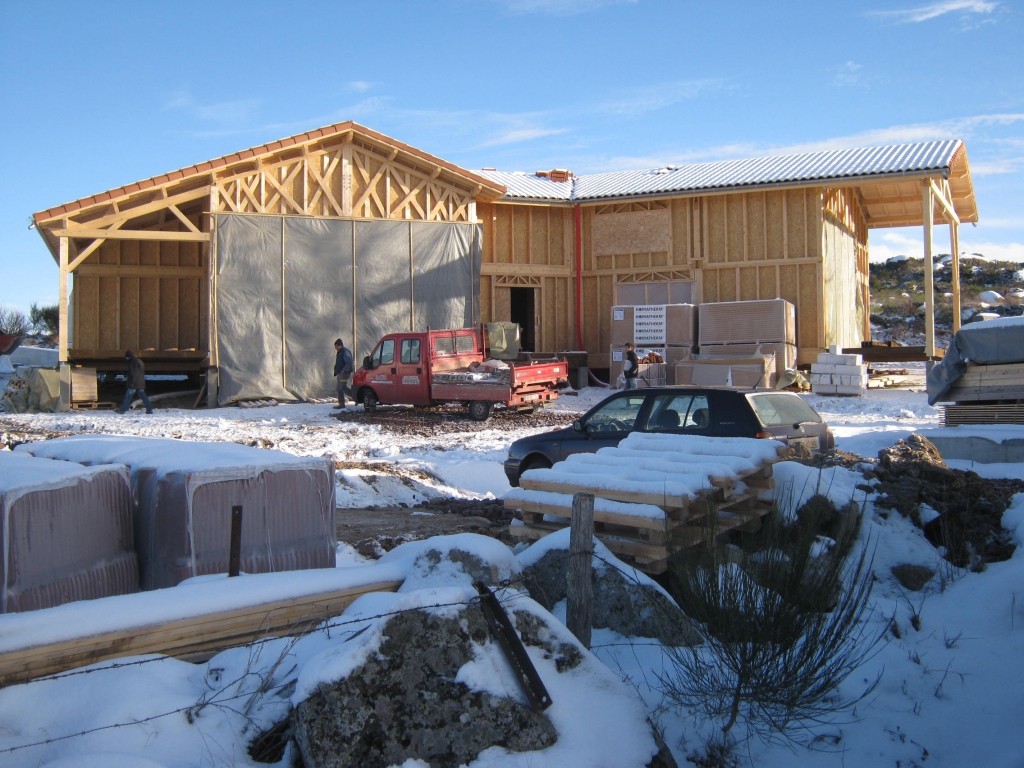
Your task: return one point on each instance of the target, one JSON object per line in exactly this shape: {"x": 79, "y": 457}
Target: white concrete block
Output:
{"x": 850, "y": 370}
{"x": 825, "y": 389}
{"x": 822, "y": 368}
{"x": 850, "y": 390}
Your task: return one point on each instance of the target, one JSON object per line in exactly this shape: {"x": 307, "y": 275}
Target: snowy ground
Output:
{"x": 950, "y": 691}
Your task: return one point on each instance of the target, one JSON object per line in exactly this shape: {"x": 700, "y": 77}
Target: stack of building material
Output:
{"x": 747, "y": 329}
{"x": 67, "y": 532}
{"x": 668, "y": 330}
{"x": 746, "y": 373}
{"x": 839, "y": 374}
{"x": 184, "y": 492}
{"x": 654, "y": 494}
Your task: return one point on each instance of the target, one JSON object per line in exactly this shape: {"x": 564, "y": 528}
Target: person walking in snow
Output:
{"x": 136, "y": 383}
{"x": 343, "y": 368}
{"x": 630, "y": 367}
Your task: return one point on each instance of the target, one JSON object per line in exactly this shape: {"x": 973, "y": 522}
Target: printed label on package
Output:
{"x": 649, "y": 324}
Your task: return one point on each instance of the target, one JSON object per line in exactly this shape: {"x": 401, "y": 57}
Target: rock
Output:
{"x": 404, "y": 702}
{"x": 630, "y": 607}
{"x": 459, "y": 559}
{"x": 913, "y": 577}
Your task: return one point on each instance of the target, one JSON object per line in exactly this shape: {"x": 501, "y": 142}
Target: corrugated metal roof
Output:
{"x": 528, "y": 185}
{"x": 781, "y": 169}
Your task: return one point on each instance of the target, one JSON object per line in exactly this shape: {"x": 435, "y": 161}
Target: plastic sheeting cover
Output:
{"x": 992, "y": 342}
{"x": 383, "y": 290}
{"x": 443, "y": 277}
{"x": 318, "y": 302}
{"x": 249, "y": 328}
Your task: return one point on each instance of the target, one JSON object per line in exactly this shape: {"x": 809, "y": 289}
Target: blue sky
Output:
{"x": 96, "y": 95}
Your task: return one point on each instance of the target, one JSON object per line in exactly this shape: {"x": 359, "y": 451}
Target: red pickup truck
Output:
{"x": 451, "y": 366}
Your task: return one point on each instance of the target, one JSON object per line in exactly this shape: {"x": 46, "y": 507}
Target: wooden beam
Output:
{"x": 946, "y": 204}
{"x": 183, "y": 218}
{"x": 929, "y": 269}
{"x": 139, "y": 270}
{"x": 133, "y": 234}
{"x": 127, "y": 214}
{"x": 62, "y": 302}
{"x": 954, "y": 265}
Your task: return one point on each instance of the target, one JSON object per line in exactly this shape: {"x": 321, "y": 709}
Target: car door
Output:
{"x": 607, "y": 424}
{"x": 411, "y": 380}
{"x": 680, "y": 413}
{"x": 384, "y": 374}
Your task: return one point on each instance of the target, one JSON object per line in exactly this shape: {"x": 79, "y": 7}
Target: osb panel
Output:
{"x": 188, "y": 314}
{"x": 755, "y": 227}
{"x": 129, "y": 252}
{"x": 659, "y": 259}
{"x": 789, "y": 288}
{"x": 108, "y": 253}
{"x": 539, "y": 235}
{"x": 715, "y": 234}
{"x": 766, "y": 278}
{"x": 502, "y": 305}
{"x": 548, "y": 317}
{"x": 86, "y": 299}
{"x": 486, "y": 315}
{"x": 149, "y": 252}
{"x": 503, "y": 234}
{"x": 521, "y": 235}
{"x": 586, "y": 225}
{"x": 188, "y": 254}
{"x": 808, "y": 315}
{"x": 775, "y": 225}
{"x": 108, "y": 313}
{"x": 735, "y": 226}
{"x": 796, "y": 221}
{"x": 710, "y": 285}
{"x": 635, "y": 232}
{"x": 641, "y": 260}
{"x": 168, "y": 254}
{"x": 748, "y": 283}
{"x": 558, "y": 223}
{"x": 565, "y": 327}
{"x": 485, "y": 212}
{"x": 605, "y": 262}
{"x": 149, "y": 308}
{"x": 624, "y": 261}
{"x": 815, "y": 211}
{"x": 129, "y": 313}
{"x": 168, "y": 313}
{"x": 727, "y": 284}
{"x": 681, "y": 246}
{"x": 607, "y": 283}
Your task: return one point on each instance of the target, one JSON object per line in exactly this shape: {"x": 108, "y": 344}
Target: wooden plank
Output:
{"x": 185, "y": 636}
{"x": 132, "y": 234}
{"x": 115, "y": 270}
{"x": 929, "y": 270}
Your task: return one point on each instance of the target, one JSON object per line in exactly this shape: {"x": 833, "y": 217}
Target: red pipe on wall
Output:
{"x": 579, "y": 279}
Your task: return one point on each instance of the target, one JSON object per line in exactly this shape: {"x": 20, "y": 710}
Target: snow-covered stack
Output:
{"x": 839, "y": 374}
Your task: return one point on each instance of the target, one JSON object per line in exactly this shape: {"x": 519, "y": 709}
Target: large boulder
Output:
{"x": 457, "y": 560}
{"x": 625, "y": 600}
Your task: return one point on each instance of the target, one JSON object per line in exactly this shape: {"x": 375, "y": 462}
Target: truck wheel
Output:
{"x": 370, "y": 401}
{"x": 479, "y": 410}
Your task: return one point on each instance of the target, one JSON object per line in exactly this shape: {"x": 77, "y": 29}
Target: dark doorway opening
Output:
{"x": 522, "y": 301}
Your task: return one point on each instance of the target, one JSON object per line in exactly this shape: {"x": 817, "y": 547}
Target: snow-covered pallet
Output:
{"x": 322, "y": 400}
{"x": 707, "y": 486}
{"x": 257, "y": 403}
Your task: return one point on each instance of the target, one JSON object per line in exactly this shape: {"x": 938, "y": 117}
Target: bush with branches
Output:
{"x": 782, "y": 625}
{"x": 12, "y": 322}
{"x": 44, "y": 320}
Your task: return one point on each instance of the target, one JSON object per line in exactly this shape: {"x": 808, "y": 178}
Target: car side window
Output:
{"x": 385, "y": 353}
{"x": 617, "y": 415}
{"x": 410, "y": 351}
{"x": 676, "y": 413}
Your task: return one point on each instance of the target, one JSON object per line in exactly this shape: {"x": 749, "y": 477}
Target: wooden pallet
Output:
{"x": 647, "y": 542}
{"x": 93, "y": 406}
{"x": 194, "y": 639}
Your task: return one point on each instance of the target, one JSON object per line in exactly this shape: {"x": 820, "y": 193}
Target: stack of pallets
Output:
{"x": 654, "y": 494}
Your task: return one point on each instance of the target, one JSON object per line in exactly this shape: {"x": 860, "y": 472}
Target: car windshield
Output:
{"x": 774, "y": 410}
{"x": 677, "y": 412}
{"x": 616, "y": 415}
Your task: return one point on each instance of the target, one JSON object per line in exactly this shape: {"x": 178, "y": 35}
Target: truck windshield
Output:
{"x": 774, "y": 410}
{"x": 384, "y": 354}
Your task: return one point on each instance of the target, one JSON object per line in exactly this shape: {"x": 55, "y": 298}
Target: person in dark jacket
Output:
{"x": 630, "y": 367}
{"x": 343, "y": 368}
{"x": 136, "y": 383}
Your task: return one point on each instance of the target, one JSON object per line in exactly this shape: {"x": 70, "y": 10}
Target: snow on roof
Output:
{"x": 893, "y": 160}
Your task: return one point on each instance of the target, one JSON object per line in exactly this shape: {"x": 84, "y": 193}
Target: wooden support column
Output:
{"x": 929, "y": 271}
{"x": 579, "y": 590}
{"x": 954, "y": 265}
{"x": 62, "y": 302}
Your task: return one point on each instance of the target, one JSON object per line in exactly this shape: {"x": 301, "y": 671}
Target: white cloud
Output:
{"x": 997, "y": 166}
{"x": 558, "y": 7}
{"x": 848, "y": 74}
{"x": 359, "y": 86}
{"x": 935, "y": 10}
{"x": 884, "y": 244}
{"x": 992, "y": 251}
{"x": 224, "y": 112}
{"x": 520, "y": 134}
{"x": 655, "y": 97}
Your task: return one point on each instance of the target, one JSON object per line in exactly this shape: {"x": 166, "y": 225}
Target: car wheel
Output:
{"x": 537, "y": 462}
{"x": 479, "y": 410}
{"x": 370, "y": 401}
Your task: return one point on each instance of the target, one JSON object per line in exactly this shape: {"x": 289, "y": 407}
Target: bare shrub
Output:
{"x": 12, "y": 321}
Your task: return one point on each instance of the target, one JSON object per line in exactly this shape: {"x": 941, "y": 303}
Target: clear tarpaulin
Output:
{"x": 288, "y": 286}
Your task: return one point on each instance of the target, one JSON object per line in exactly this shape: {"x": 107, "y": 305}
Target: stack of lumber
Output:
{"x": 988, "y": 413}
{"x": 669, "y": 331}
{"x": 988, "y": 382}
{"x": 654, "y": 494}
{"x": 747, "y": 329}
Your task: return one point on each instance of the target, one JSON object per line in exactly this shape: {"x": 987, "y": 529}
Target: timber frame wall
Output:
{"x": 761, "y": 244}
{"x": 140, "y": 256}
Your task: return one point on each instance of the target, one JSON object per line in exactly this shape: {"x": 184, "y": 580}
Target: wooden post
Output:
{"x": 579, "y": 605}
{"x": 929, "y": 271}
{"x": 236, "y": 541}
{"x": 62, "y": 303}
{"x": 954, "y": 264}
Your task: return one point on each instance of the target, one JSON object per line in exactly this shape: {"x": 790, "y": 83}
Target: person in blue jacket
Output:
{"x": 343, "y": 368}
{"x": 136, "y": 383}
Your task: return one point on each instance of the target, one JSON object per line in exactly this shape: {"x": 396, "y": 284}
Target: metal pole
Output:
{"x": 236, "y": 541}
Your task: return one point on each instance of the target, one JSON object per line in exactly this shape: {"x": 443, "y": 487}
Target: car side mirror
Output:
{"x": 577, "y": 426}
{"x": 368, "y": 363}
